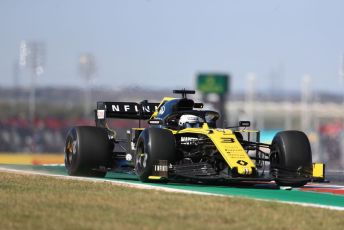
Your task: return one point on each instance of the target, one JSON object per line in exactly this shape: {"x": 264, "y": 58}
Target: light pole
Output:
{"x": 341, "y": 77}
{"x": 32, "y": 55}
{"x": 36, "y": 61}
{"x": 250, "y": 97}
{"x": 87, "y": 70}
{"x": 341, "y": 72}
{"x": 305, "y": 102}
{"x": 15, "y": 75}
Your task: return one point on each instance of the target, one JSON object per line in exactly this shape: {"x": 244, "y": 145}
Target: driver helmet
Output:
{"x": 189, "y": 121}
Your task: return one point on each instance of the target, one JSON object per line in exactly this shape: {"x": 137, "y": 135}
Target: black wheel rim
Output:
{"x": 70, "y": 151}
{"x": 141, "y": 160}
{"x": 274, "y": 156}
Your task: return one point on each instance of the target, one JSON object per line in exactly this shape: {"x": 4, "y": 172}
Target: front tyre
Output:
{"x": 87, "y": 149}
{"x": 291, "y": 159}
{"x": 153, "y": 144}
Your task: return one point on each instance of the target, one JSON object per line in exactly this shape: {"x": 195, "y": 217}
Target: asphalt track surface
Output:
{"x": 323, "y": 195}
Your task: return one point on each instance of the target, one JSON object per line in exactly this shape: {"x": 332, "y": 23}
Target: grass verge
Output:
{"x": 39, "y": 202}
{"x": 31, "y": 158}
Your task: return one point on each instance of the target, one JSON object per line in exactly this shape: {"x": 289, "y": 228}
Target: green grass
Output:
{"x": 39, "y": 202}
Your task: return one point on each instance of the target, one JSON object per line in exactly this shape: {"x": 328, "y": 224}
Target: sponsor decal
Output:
{"x": 187, "y": 139}
{"x": 160, "y": 168}
{"x": 100, "y": 114}
{"x": 242, "y": 162}
{"x": 162, "y": 110}
{"x": 126, "y": 108}
{"x": 122, "y": 107}
{"x": 227, "y": 140}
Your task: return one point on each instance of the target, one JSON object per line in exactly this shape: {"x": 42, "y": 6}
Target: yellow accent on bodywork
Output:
{"x": 164, "y": 100}
{"x": 318, "y": 170}
{"x": 232, "y": 151}
{"x": 228, "y": 145}
{"x": 154, "y": 177}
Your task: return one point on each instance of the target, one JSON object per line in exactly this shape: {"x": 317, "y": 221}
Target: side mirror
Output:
{"x": 244, "y": 124}
{"x": 155, "y": 122}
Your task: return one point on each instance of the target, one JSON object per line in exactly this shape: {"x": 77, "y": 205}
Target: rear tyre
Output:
{"x": 87, "y": 149}
{"x": 291, "y": 159}
{"x": 153, "y": 144}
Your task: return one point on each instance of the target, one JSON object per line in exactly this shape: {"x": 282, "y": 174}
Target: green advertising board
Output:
{"x": 213, "y": 83}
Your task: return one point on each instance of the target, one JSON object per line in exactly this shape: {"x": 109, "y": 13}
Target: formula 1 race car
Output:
{"x": 182, "y": 141}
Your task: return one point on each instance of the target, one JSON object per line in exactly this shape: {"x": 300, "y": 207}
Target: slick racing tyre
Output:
{"x": 291, "y": 159}
{"x": 87, "y": 148}
{"x": 153, "y": 144}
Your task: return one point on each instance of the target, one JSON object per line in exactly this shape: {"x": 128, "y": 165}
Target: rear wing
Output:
{"x": 124, "y": 110}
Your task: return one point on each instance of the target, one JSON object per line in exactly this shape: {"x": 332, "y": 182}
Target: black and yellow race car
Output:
{"x": 182, "y": 142}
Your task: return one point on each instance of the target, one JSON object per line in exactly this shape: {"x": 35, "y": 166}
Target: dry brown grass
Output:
{"x": 39, "y": 202}
{"x": 31, "y": 158}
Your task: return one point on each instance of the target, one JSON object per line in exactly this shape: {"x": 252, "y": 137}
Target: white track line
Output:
{"x": 151, "y": 187}
{"x": 318, "y": 185}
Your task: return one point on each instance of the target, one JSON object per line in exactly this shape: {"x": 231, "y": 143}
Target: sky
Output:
{"x": 165, "y": 44}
